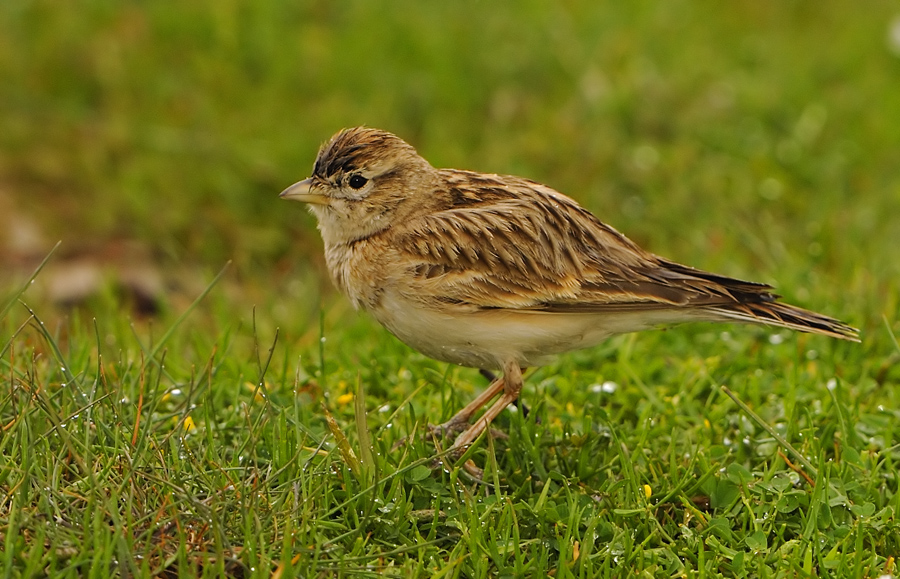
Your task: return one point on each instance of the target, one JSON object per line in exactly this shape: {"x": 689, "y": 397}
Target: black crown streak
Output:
{"x": 333, "y": 160}
{"x": 352, "y": 149}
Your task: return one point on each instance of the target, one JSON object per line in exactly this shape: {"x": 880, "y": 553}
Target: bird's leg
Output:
{"x": 461, "y": 418}
{"x": 520, "y": 404}
{"x": 511, "y": 382}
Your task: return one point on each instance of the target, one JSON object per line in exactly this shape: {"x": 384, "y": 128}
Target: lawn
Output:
{"x": 185, "y": 394}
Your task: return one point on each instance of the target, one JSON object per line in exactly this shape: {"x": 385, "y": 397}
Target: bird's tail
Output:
{"x": 784, "y": 315}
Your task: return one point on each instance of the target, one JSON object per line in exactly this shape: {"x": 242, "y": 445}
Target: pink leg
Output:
{"x": 463, "y": 416}
{"x": 512, "y": 385}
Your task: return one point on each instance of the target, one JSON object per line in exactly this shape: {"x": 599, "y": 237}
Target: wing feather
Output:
{"x": 511, "y": 243}
{"x": 538, "y": 249}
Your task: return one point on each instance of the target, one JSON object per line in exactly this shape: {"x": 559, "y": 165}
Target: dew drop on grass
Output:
{"x": 831, "y": 384}
{"x": 607, "y": 387}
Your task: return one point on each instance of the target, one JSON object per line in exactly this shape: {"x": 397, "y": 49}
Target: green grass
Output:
{"x": 757, "y": 140}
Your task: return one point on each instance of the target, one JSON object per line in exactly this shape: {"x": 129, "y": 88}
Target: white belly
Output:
{"x": 488, "y": 338}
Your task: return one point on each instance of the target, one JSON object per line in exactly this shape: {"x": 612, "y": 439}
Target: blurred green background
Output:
{"x": 757, "y": 139}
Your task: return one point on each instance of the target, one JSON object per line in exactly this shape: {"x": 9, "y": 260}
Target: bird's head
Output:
{"x": 362, "y": 182}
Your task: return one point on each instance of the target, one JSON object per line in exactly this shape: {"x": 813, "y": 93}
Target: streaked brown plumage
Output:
{"x": 500, "y": 272}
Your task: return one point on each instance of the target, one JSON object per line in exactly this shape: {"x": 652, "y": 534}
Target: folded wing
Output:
{"x": 515, "y": 244}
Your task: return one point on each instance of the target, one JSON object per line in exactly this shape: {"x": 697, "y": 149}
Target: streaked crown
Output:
{"x": 357, "y": 148}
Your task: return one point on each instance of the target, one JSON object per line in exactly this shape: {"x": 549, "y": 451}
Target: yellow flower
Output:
{"x": 259, "y": 393}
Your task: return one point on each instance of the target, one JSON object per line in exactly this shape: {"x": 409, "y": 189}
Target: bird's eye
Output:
{"x": 357, "y": 181}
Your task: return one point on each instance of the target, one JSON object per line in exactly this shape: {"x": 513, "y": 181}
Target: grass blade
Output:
{"x": 768, "y": 428}
{"x": 165, "y": 337}
{"x": 366, "y": 456}
{"x": 17, "y": 294}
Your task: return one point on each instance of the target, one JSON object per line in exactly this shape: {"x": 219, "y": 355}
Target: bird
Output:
{"x": 499, "y": 272}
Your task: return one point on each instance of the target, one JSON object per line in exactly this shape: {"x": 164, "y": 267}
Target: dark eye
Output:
{"x": 358, "y": 181}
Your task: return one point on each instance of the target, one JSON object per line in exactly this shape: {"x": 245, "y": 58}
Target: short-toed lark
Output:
{"x": 498, "y": 272}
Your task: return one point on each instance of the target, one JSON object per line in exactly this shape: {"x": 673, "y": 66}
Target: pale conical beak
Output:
{"x": 302, "y": 191}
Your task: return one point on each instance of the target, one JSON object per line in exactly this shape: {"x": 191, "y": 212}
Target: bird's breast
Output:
{"x": 357, "y": 272}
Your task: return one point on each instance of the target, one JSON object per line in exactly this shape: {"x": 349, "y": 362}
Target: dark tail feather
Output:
{"x": 751, "y": 302}
{"x": 787, "y": 316}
